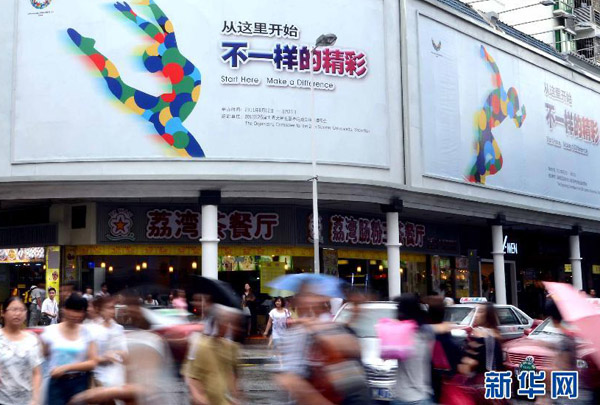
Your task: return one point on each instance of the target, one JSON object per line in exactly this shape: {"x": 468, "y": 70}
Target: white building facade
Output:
{"x": 196, "y": 160}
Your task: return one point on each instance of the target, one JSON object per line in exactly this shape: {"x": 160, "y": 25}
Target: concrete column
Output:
{"x": 99, "y": 278}
{"x": 393, "y": 251}
{"x": 210, "y": 241}
{"x": 576, "y": 262}
{"x": 498, "y": 254}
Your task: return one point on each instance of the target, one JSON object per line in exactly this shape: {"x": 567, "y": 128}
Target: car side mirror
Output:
{"x": 528, "y": 331}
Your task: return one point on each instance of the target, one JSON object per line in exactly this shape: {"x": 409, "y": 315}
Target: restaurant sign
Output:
{"x": 363, "y": 231}
{"x": 183, "y": 224}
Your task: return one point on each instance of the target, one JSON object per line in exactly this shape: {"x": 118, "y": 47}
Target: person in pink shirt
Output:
{"x": 180, "y": 302}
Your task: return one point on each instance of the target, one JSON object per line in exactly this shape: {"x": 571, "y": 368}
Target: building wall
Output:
{"x": 417, "y": 113}
{"x": 400, "y": 173}
{"x": 524, "y": 15}
{"x": 80, "y": 106}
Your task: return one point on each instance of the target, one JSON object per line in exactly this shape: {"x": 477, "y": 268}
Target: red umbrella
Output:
{"x": 579, "y": 311}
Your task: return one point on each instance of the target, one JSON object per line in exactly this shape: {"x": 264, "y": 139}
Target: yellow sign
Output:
{"x": 71, "y": 273}
{"x": 189, "y": 250}
{"x": 196, "y": 250}
{"x": 568, "y": 268}
{"x": 362, "y": 254}
{"x": 269, "y": 271}
{"x": 139, "y": 250}
{"x": 53, "y": 268}
{"x": 595, "y": 269}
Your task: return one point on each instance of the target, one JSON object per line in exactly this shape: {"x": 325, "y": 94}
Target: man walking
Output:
{"x": 211, "y": 367}
{"x": 35, "y": 308}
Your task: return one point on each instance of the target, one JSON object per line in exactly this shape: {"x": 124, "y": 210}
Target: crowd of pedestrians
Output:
{"x": 84, "y": 356}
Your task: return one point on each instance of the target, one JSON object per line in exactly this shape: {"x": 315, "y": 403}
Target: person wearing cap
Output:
{"x": 37, "y": 295}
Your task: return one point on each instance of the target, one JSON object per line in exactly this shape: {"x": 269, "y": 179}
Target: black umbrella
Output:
{"x": 219, "y": 291}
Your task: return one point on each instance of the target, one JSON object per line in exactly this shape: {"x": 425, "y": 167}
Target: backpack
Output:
{"x": 27, "y": 296}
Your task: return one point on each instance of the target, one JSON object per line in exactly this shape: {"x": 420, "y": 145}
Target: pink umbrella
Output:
{"x": 579, "y": 311}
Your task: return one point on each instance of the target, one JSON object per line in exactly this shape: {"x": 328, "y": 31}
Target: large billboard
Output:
{"x": 193, "y": 80}
{"x": 494, "y": 120}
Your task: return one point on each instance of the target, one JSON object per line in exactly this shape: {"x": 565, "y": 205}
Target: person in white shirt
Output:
{"x": 103, "y": 291}
{"x": 20, "y": 358}
{"x": 150, "y": 301}
{"x": 111, "y": 345}
{"x": 50, "y": 306}
{"x": 278, "y": 320}
{"x": 89, "y": 294}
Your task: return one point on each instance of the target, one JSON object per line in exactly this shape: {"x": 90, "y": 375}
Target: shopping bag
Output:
{"x": 396, "y": 338}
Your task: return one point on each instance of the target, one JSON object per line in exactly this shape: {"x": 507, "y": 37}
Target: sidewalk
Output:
{"x": 256, "y": 351}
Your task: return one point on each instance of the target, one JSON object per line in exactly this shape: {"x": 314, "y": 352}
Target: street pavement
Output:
{"x": 257, "y": 364}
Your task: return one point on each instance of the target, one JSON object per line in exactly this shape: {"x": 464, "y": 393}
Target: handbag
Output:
{"x": 45, "y": 320}
{"x": 396, "y": 338}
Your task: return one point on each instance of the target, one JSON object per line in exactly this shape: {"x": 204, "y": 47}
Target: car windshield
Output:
{"x": 458, "y": 315}
{"x": 364, "y": 325}
{"x": 547, "y": 328}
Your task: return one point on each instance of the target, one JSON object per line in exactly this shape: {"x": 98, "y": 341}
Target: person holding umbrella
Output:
{"x": 321, "y": 360}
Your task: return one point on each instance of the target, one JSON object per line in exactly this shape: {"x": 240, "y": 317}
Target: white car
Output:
{"x": 512, "y": 322}
{"x": 381, "y": 374}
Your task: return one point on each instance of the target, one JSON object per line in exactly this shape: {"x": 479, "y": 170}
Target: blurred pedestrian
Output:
{"x": 92, "y": 317}
{"x": 335, "y": 304}
{"x": 446, "y": 355}
{"x": 321, "y": 360}
{"x": 249, "y": 307}
{"x": 89, "y": 293}
{"x": 483, "y": 349}
{"x": 483, "y": 353}
{"x": 111, "y": 345}
{"x": 565, "y": 346}
{"x": 172, "y": 296}
{"x": 103, "y": 291}
{"x": 150, "y": 301}
{"x": 278, "y": 317}
{"x": 592, "y": 293}
{"x": 37, "y": 295}
{"x": 202, "y": 306}
{"x": 211, "y": 366}
{"x": 50, "y": 308}
{"x": 20, "y": 358}
{"x": 148, "y": 369}
{"x": 180, "y": 302}
{"x": 413, "y": 378}
{"x": 70, "y": 351}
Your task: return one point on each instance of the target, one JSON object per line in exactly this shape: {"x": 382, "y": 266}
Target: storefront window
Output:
{"x": 20, "y": 269}
{"x": 463, "y": 283}
{"x": 413, "y": 273}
